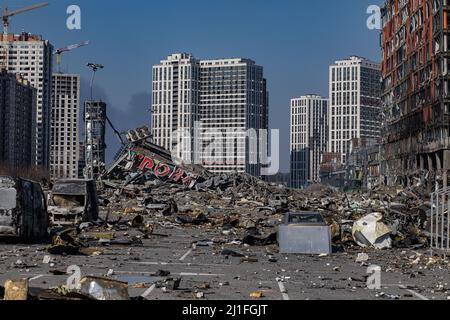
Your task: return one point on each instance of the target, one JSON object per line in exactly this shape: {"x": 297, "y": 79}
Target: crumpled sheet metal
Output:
{"x": 105, "y": 289}
{"x": 370, "y": 231}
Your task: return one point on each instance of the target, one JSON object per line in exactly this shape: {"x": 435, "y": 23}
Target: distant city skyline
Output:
{"x": 294, "y": 42}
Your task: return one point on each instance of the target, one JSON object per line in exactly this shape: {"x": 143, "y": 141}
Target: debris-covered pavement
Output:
{"x": 158, "y": 230}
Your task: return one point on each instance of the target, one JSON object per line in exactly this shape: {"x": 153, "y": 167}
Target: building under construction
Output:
{"x": 416, "y": 91}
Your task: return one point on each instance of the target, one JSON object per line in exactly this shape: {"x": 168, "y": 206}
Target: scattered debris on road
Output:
{"x": 145, "y": 195}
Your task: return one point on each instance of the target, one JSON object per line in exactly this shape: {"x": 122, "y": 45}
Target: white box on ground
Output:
{"x": 304, "y": 233}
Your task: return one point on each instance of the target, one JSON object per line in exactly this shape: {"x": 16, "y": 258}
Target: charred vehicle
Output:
{"x": 23, "y": 210}
{"x": 73, "y": 201}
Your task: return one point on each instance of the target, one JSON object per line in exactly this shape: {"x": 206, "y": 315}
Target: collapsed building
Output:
{"x": 416, "y": 92}
{"x": 142, "y": 160}
{"x": 148, "y": 195}
{"x": 332, "y": 171}
{"x": 147, "y": 181}
{"x": 95, "y": 142}
{"x": 363, "y": 166}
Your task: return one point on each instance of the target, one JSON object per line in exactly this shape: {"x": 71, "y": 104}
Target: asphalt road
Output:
{"x": 218, "y": 277}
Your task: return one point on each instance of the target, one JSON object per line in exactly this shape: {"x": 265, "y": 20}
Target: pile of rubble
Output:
{"x": 145, "y": 190}
{"x": 239, "y": 202}
{"x": 146, "y": 182}
{"x": 400, "y": 214}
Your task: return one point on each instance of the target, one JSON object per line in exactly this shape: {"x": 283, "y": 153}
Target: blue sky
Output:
{"x": 295, "y": 41}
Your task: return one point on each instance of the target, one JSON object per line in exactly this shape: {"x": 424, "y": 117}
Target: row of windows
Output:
{"x": 344, "y": 73}
{"x": 308, "y": 103}
{"x": 344, "y": 99}
{"x": 343, "y": 123}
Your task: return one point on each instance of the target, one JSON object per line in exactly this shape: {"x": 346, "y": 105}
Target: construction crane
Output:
{"x": 7, "y": 14}
{"x": 5, "y": 17}
{"x": 58, "y": 52}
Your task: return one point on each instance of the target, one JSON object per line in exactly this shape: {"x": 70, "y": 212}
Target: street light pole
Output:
{"x": 95, "y": 67}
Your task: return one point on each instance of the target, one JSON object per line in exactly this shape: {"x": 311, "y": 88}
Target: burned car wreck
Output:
{"x": 23, "y": 210}
{"x": 73, "y": 201}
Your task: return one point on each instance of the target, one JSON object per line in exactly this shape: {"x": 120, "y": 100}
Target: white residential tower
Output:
{"x": 309, "y": 134}
{"x": 355, "y": 110}
{"x": 199, "y": 106}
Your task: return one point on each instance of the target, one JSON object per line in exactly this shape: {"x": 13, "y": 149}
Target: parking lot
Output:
{"x": 208, "y": 274}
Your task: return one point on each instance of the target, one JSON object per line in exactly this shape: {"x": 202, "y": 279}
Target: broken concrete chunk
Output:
{"x": 247, "y": 224}
{"x": 171, "y": 284}
{"x": 16, "y": 290}
{"x": 362, "y": 257}
{"x": 199, "y": 295}
{"x": 257, "y": 295}
{"x": 46, "y": 259}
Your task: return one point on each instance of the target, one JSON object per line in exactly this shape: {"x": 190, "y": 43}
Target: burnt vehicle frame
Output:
{"x": 73, "y": 201}
{"x": 23, "y": 210}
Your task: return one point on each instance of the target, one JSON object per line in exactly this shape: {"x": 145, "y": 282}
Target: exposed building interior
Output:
{"x": 416, "y": 92}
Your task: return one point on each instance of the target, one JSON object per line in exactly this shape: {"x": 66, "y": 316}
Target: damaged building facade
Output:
{"x": 416, "y": 92}
{"x": 95, "y": 141}
{"x": 363, "y": 165}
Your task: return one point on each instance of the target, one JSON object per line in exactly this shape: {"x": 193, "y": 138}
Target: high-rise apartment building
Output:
{"x": 309, "y": 136}
{"x": 175, "y": 104}
{"x": 233, "y": 100}
{"x": 31, "y": 57}
{"x": 416, "y": 99}
{"x": 65, "y": 126}
{"x": 228, "y": 100}
{"x": 17, "y": 123}
{"x": 355, "y": 109}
